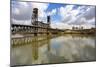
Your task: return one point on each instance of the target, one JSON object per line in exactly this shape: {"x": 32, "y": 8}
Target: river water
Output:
{"x": 66, "y": 48}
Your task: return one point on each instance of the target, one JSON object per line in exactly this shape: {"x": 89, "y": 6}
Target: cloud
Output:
{"x": 22, "y": 11}
{"x": 23, "y": 4}
{"x": 60, "y": 25}
{"x": 69, "y": 14}
{"x": 90, "y": 13}
{"x": 42, "y": 15}
{"x": 41, "y": 7}
{"x": 23, "y": 22}
{"x": 82, "y": 15}
{"x": 66, "y": 11}
{"x": 53, "y": 12}
{"x": 92, "y": 21}
{"x": 16, "y": 11}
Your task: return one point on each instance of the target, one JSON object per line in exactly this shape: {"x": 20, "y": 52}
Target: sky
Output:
{"x": 63, "y": 16}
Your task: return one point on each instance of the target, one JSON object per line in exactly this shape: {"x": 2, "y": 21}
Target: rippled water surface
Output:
{"x": 66, "y": 48}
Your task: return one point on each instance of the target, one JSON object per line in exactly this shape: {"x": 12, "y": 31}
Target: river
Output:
{"x": 61, "y": 49}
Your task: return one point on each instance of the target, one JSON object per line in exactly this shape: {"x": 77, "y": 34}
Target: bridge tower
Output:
{"x": 34, "y": 16}
{"x": 34, "y": 20}
{"x": 48, "y": 21}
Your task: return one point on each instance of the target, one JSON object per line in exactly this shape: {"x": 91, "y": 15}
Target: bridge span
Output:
{"x": 36, "y": 27}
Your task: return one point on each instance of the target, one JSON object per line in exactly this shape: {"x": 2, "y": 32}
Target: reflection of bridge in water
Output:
{"x": 36, "y": 45}
{"x": 33, "y": 49}
{"x": 26, "y": 40}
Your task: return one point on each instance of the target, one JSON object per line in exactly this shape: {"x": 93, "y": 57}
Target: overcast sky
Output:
{"x": 63, "y": 16}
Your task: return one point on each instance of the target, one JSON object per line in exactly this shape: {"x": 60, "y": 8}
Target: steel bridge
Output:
{"x": 36, "y": 27}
